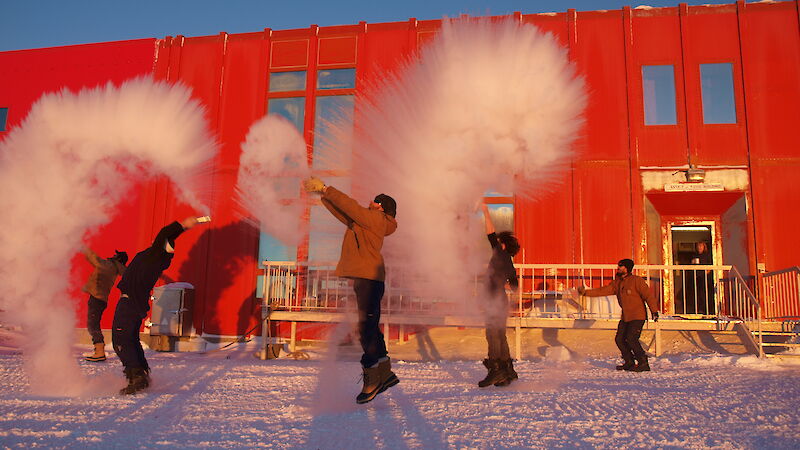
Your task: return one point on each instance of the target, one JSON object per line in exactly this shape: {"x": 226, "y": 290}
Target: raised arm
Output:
{"x": 171, "y": 231}
{"x": 347, "y": 206}
{"x": 91, "y": 256}
{"x": 335, "y": 211}
{"x": 487, "y": 219}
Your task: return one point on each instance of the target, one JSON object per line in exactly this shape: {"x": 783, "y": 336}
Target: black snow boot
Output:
{"x": 497, "y": 375}
{"x": 507, "y": 366}
{"x": 642, "y": 365}
{"x": 628, "y": 365}
{"x": 138, "y": 379}
{"x": 377, "y": 379}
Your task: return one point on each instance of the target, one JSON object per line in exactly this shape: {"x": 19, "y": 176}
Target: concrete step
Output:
{"x": 779, "y": 344}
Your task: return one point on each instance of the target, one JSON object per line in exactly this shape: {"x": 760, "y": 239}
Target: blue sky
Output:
{"x": 49, "y": 23}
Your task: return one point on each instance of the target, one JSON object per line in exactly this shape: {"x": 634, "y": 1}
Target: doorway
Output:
{"x": 694, "y": 247}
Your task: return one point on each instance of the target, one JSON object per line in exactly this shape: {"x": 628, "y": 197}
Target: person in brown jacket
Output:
{"x": 632, "y": 293}
{"x": 98, "y": 287}
{"x": 361, "y": 261}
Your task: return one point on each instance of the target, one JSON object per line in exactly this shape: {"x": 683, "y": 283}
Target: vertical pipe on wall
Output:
{"x": 638, "y": 220}
{"x": 577, "y": 223}
{"x": 750, "y": 212}
{"x": 683, "y": 29}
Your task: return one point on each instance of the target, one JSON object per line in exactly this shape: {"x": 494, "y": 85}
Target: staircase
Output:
{"x": 783, "y": 342}
{"x": 770, "y": 327}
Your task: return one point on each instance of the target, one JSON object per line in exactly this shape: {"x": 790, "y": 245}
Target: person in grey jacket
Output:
{"x": 98, "y": 286}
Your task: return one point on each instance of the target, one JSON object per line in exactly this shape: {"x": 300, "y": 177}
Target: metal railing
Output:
{"x": 546, "y": 290}
{"x": 781, "y": 291}
{"x": 740, "y": 304}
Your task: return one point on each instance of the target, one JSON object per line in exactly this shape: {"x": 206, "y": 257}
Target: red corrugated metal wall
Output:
{"x": 27, "y": 74}
{"x": 595, "y": 215}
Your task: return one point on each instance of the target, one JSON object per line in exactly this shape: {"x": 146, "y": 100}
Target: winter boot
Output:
{"x": 138, "y": 379}
{"x": 511, "y": 375}
{"x": 98, "y": 355}
{"x": 377, "y": 379}
{"x": 390, "y": 379}
{"x": 496, "y": 373}
{"x": 628, "y": 365}
{"x": 642, "y": 365}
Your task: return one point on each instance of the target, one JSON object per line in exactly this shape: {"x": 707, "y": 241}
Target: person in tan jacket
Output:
{"x": 632, "y": 293}
{"x": 361, "y": 261}
{"x": 98, "y": 287}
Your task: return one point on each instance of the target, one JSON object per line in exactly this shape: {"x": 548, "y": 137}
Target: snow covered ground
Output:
{"x": 229, "y": 399}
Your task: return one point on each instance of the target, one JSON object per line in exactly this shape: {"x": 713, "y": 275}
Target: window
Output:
{"x": 336, "y": 79}
{"x": 3, "y": 118}
{"x": 291, "y": 108}
{"x": 716, "y": 81}
{"x": 287, "y": 81}
{"x": 658, "y": 85}
{"x": 333, "y": 124}
{"x": 333, "y": 128}
{"x": 502, "y": 215}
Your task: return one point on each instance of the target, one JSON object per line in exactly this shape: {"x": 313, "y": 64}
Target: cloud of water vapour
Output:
{"x": 272, "y": 163}
{"x": 62, "y": 172}
{"x": 485, "y": 106}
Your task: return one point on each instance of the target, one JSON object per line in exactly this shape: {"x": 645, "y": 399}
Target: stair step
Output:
{"x": 782, "y": 355}
{"x": 779, "y": 344}
{"x": 777, "y": 333}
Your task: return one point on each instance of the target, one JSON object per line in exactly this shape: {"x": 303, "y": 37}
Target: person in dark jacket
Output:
{"x": 361, "y": 261}
{"x": 98, "y": 287}
{"x": 632, "y": 294}
{"x": 501, "y": 273}
{"x": 135, "y": 286}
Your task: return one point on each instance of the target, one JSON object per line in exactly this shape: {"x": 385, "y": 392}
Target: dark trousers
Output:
{"x": 368, "y": 295}
{"x": 496, "y": 317}
{"x": 627, "y": 340}
{"x": 125, "y": 335}
{"x": 95, "y": 312}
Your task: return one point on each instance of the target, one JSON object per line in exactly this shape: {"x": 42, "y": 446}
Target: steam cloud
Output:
{"x": 486, "y": 106}
{"x": 62, "y": 172}
{"x": 272, "y": 163}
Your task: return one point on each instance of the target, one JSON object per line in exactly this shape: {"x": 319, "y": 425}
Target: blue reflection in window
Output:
{"x": 292, "y": 108}
{"x": 502, "y": 215}
{"x": 658, "y": 85}
{"x": 333, "y": 132}
{"x": 336, "y": 79}
{"x": 718, "y": 102}
{"x": 325, "y": 235}
{"x": 3, "y": 118}
{"x": 272, "y": 249}
{"x": 287, "y": 81}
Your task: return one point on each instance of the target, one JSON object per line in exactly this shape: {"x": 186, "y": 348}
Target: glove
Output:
{"x": 313, "y": 184}
{"x": 655, "y": 316}
{"x": 581, "y": 290}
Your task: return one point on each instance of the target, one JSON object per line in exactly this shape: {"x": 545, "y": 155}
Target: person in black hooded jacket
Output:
{"x": 138, "y": 280}
{"x": 501, "y": 273}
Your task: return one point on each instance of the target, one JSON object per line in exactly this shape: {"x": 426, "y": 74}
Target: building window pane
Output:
{"x": 718, "y": 102}
{"x": 502, "y": 215}
{"x": 292, "y": 108}
{"x": 333, "y": 131}
{"x": 272, "y": 249}
{"x": 658, "y": 84}
{"x": 287, "y": 81}
{"x": 325, "y": 236}
{"x": 336, "y": 79}
{"x": 3, "y": 118}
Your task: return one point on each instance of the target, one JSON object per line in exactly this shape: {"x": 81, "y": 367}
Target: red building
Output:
{"x": 715, "y": 86}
